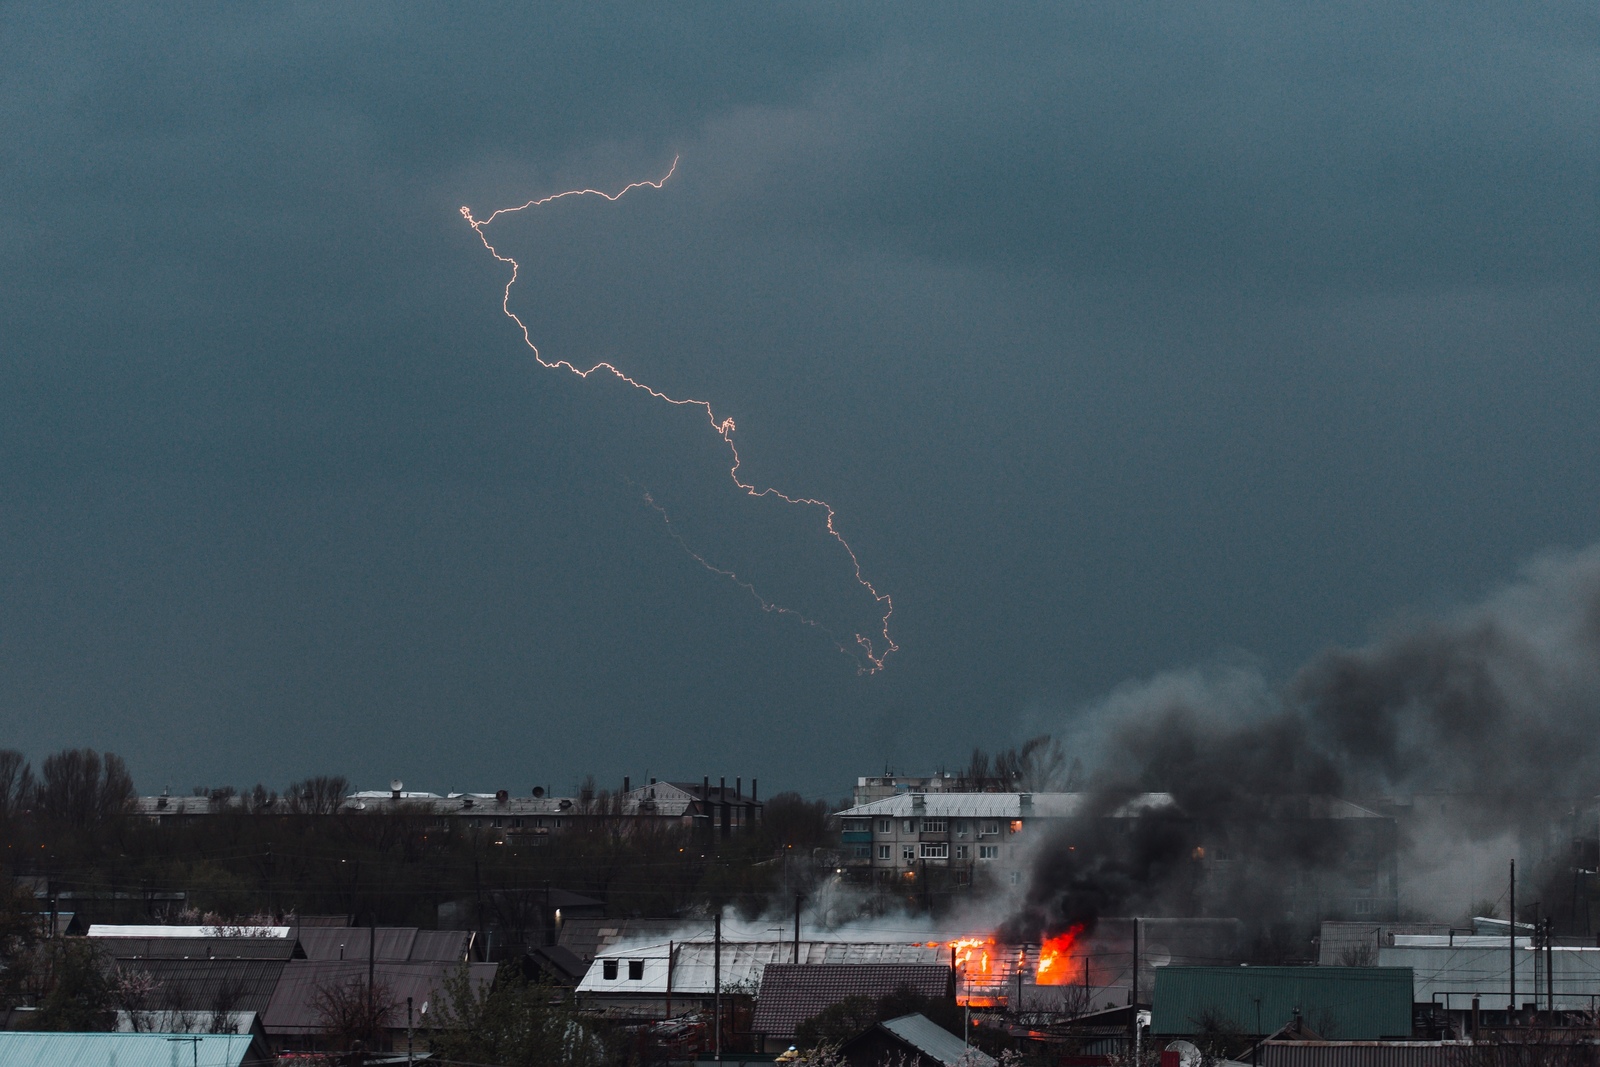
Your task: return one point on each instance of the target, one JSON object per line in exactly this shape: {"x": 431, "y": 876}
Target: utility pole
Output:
{"x": 1550, "y": 966}
{"x": 716, "y": 981}
{"x": 372, "y": 966}
{"x": 1511, "y": 1008}
{"x": 410, "y": 1059}
{"x": 1134, "y": 999}
{"x": 798, "y": 897}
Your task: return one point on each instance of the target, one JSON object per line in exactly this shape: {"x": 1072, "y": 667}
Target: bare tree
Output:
{"x": 346, "y": 1013}
{"x": 16, "y": 784}
{"x": 79, "y": 787}
{"x": 319, "y": 795}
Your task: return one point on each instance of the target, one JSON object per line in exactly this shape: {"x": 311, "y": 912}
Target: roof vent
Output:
{"x": 565, "y": 804}
{"x": 466, "y": 801}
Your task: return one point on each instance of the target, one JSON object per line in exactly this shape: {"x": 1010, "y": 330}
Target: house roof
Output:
{"x": 185, "y": 1022}
{"x": 742, "y": 963}
{"x": 995, "y": 805}
{"x": 935, "y": 1042}
{"x": 792, "y": 993}
{"x": 207, "y": 985}
{"x": 292, "y": 1009}
{"x": 151, "y": 930}
{"x": 36, "y": 1049}
{"x": 200, "y": 948}
{"x": 587, "y": 936}
{"x": 388, "y": 943}
{"x": 559, "y": 963}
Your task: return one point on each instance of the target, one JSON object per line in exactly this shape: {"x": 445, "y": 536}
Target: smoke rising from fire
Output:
{"x": 1496, "y": 704}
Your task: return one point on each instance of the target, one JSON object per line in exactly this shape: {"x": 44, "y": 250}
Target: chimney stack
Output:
{"x": 625, "y": 781}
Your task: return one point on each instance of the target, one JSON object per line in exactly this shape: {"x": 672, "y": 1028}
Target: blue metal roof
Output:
{"x": 21, "y": 1048}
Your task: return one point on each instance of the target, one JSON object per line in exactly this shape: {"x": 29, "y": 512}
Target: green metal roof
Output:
{"x": 21, "y": 1048}
{"x": 1339, "y": 1003}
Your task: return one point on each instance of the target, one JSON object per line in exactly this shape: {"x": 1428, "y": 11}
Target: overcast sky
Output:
{"x": 1122, "y": 337}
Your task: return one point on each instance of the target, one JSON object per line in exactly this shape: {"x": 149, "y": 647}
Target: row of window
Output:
{"x": 963, "y": 827}
{"x": 608, "y": 970}
{"x": 932, "y": 850}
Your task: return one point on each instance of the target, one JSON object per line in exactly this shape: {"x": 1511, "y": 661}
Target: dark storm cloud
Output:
{"x": 1118, "y": 336}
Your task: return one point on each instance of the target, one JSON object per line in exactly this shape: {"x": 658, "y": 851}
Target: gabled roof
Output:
{"x": 200, "y": 948}
{"x": 153, "y": 930}
{"x": 396, "y": 944}
{"x": 36, "y": 1049}
{"x": 210, "y": 985}
{"x": 935, "y": 1042}
{"x": 292, "y": 1009}
{"x": 792, "y": 993}
{"x": 742, "y": 962}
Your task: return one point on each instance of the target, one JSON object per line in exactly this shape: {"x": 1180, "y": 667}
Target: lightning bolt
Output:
{"x": 723, "y": 427}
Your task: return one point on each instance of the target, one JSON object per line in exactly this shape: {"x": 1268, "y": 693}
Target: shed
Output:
{"x": 914, "y": 1040}
{"x": 22, "y": 1048}
{"x": 1349, "y": 1003}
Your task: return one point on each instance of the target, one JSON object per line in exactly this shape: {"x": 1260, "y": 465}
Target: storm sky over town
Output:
{"x": 1122, "y": 338}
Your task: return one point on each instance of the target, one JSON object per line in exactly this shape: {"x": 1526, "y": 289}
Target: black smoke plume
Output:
{"x": 1497, "y": 705}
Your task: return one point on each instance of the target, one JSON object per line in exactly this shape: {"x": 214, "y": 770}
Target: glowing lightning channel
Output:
{"x": 723, "y": 428}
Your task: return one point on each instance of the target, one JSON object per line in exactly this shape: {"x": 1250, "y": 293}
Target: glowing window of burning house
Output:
{"x": 935, "y": 850}
{"x": 988, "y": 852}
{"x": 935, "y": 826}
{"x": 1016, "y": 826}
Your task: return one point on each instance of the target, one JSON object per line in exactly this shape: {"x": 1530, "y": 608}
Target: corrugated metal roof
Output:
{"x": 33, "y": 1049}
{"x": 995, "y": 805}
{"x": 357, "y": 942}
{"x": 292, "y": 1009}
{"x": 1371, "y": 1054}
{"x": 1352, "y": 1003}
{"x": 210, "y": 985}
{"x": 200, "y": 948}
{"x": 792, "y": 993}
{"x": 441, "y": 946}
{"x": 201, "y": 932}
{"x": 742, "y": 963}
{"x": 1454, "y": 975}
{"x": 185, "y": 1022}
{"x": 935, "y": 1042}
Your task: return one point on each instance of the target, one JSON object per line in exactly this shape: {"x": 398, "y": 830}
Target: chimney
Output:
{"x": 738, "y": 788}
{"x": 722, "y": 788}
{"x": 652, "y": 781}
{"x": 625, "y": 784}
{"x": 752, "y": 790}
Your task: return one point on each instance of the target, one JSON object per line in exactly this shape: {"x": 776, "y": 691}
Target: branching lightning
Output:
{"x": 865, "y": 645}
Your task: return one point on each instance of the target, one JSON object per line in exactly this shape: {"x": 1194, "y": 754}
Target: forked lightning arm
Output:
{"x": 722, "y": 427}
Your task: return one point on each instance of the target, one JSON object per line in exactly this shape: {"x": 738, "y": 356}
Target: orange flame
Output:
{"x": 1055, "y": 958}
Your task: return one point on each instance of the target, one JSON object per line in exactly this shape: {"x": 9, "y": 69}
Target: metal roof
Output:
{"x": 742, "y": 963}
{"x": 293, "y": 1011}
{"x": 1453, "y": 976}
{"x": 995, "y": 805}
{"x": 185, "y": 1022}
{"x": 207, "y": 985}
{"x": 200, "y": 948}
{"x": 202, "y": 932}
{"x": 390, "y": 943}
{"x": 1353, "y": 1003}
{"x": 35, "y": 1049}
{"x": 1373, "y": 1054}
{"x": 935, "y": 1042}
{"x": 792, "y": 993}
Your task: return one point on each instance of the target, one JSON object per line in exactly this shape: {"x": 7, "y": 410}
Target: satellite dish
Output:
{"x": 538, "y": 791}
{"x": 395, "y": 785}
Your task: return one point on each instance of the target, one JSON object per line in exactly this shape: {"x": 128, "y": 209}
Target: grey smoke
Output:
{"x": 1497, "y": 704}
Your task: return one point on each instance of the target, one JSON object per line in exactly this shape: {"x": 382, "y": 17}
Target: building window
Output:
{"x": 517, "y": 823}
{"x": 989, "y": 828}
{"x": 961, "y": 828}
{"x": 608, "y": 970}
{"x": 852, "y": 826}
{"x": 963, "y": 851}
{"x": 861, "y": 852}
{"x": 1016, "y": 877}
{"x": 1016, "y": 826}
{"x": 1363, "y": 907}
{"x": 908, "y": 852}
{"x": 935, "y": 850}
{"x": 988, "y": 852}
{"x": 885, "y": 826}
{"x": 636, "y": 970}
{"x": 883, "y": 852}
{"x": 910, "y": 826}
{"x": 935, "y": 826}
